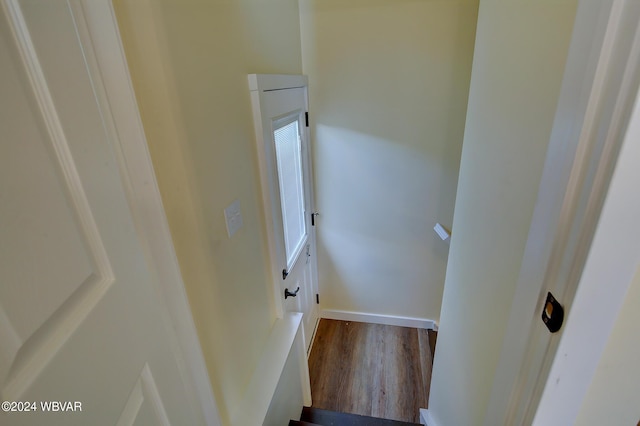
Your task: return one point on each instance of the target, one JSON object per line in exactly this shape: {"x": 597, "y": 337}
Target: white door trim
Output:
{"x": 596, "y": 100}
{"x": 104, "y": 54}
{"x": 267, "y": 82}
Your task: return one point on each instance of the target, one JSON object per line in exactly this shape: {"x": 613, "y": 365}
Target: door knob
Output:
{"x": 287, "y": 293}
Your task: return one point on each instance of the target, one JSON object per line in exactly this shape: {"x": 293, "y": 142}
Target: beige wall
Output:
{"x": 189, "y": 61}
{"x": 518, "y": 64}
{"x": 388, "y": 93}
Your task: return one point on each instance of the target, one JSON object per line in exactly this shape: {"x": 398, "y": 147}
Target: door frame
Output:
{"x": 611, "y": 271}
{"x": 99, "y": 36}
{"x": 596, "y": 100}
{"x": 258, "y": 84}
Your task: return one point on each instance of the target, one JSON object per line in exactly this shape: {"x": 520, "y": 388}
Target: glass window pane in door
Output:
{"x": 289, "y": 160}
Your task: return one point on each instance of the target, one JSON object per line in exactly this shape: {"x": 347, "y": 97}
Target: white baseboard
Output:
{"x": 379, "y": 319}
{"x": 425, "y": 418}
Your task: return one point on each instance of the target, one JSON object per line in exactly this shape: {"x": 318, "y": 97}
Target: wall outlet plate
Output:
{"x": 233, "y": 218}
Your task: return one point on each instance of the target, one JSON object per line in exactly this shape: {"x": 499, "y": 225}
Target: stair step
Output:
{"x": 333, "y": 418}
{"x": 301, "y": 423}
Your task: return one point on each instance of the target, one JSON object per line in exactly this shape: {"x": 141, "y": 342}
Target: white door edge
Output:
{"x": 111, "y": 79}
{"x": 604, "y": 48}
{"x": 267, "y": 206}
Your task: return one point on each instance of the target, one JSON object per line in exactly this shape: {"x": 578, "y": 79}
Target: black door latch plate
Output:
{"x": 552, "y": 313}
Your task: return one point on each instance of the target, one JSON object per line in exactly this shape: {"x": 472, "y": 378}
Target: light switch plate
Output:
{"x": 233, "y": 218}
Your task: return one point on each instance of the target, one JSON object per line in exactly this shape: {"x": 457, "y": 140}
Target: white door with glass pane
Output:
{"x": 280, "y": 105}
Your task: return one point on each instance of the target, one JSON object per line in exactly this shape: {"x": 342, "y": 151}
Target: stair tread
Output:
{"x": 301, "y": 423}
{"x": 333, "y": 418}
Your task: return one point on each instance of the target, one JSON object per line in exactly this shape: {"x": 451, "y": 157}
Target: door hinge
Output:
{"x": 317, "y": 299}
{"x": 306, "y": 119}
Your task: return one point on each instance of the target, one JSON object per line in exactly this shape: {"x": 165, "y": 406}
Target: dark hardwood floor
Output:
{"x": 371, "y": 369}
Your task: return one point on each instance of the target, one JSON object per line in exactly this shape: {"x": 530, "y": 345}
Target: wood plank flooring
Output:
{"x": 371, "y": 369}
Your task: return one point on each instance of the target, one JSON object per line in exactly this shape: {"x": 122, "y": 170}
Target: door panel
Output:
{"x": 144, "y": 406}
{"x": 80, "y": 318}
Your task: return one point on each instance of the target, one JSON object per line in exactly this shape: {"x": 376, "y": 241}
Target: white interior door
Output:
{"x": 80, "y": 317}
{"x": 280, "y": 105}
